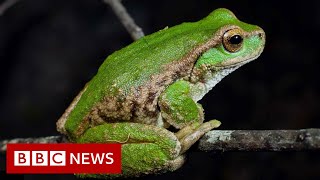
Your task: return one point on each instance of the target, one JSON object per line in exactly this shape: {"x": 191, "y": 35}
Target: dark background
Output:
{"x": 50, "y": 48}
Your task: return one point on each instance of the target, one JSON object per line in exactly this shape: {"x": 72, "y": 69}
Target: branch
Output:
{"x": 42, "y": 140}
{"x": 263, "y": 140}
{"x": 134, "y": 30}
{"x": 229, "y": 140}
{"x": 6, "y": 5}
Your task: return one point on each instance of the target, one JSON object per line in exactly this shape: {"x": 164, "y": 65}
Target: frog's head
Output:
{"x": 234, "y": 43}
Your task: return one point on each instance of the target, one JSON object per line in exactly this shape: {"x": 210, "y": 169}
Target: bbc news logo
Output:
{"x": 63, "y": 158}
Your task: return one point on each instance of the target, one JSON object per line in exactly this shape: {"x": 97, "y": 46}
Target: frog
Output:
{"x": 145, "y": 95}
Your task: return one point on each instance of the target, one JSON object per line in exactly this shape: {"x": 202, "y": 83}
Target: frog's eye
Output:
{"x": 233, "y": 40}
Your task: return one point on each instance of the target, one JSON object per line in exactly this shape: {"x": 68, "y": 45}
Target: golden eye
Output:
{"x": 233, "y": 40}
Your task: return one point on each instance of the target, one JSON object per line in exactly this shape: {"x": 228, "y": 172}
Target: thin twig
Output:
{"x": 134, "y": 30}
{"x": 261, "y": 140}
{"x": 229, "y": 140}
{"x": 6, "y": 5}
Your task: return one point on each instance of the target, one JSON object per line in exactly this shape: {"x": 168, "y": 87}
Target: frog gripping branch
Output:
{"x": 154, "y": 83}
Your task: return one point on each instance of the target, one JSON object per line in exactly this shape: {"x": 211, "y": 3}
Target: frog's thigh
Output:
{"x": 177, "y": 107}
{"x": 145, "y": 148}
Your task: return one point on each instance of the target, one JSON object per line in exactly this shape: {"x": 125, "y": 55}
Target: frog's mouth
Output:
{"x": 236, "y": 62}
{"x": 231, "y": 64}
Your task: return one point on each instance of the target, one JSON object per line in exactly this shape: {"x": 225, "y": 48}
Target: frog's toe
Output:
{"x": 176, "y": 163}
{"x": 188, "y": 140}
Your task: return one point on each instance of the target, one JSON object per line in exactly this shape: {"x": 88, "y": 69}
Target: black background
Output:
{"x": 50, "y": 48}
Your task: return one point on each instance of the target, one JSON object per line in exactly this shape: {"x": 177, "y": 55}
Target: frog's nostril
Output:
{"x": 262, "y": 34}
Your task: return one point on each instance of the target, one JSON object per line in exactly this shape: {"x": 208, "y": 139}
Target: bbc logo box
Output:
{"x": 39, "y": 158}
{"x": 63, "y": 158}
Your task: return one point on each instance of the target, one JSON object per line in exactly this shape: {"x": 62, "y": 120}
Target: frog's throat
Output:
{"x": 211, "y": 79}
{"x": 209, "y": 76}
{"x": 206, "y": 77}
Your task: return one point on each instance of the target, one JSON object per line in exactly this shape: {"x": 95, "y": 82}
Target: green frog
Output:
{"x": 145, "y": 95}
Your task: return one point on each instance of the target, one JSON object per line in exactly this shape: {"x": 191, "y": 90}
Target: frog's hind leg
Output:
{"x": 146, "y": 149}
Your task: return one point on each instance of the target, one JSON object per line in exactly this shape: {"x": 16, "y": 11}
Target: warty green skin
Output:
{"x": 152, "y": 71}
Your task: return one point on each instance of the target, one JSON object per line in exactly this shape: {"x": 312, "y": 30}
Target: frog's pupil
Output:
{"x": 236, "y": 39}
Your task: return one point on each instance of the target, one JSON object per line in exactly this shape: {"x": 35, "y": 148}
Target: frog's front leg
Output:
{"x": 146, "y": 149}
{"x": 180, "y": 110}
{"x": 177, "y": 107}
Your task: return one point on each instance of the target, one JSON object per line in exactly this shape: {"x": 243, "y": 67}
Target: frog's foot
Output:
{"x": 176, "y": 163}
{"x": 192, "y": 133}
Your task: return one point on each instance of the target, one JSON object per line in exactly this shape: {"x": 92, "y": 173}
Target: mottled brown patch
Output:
{"x": 110, "y": 109}
{"x": 83, "y": 126}
{"x": 198, "y": 74}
